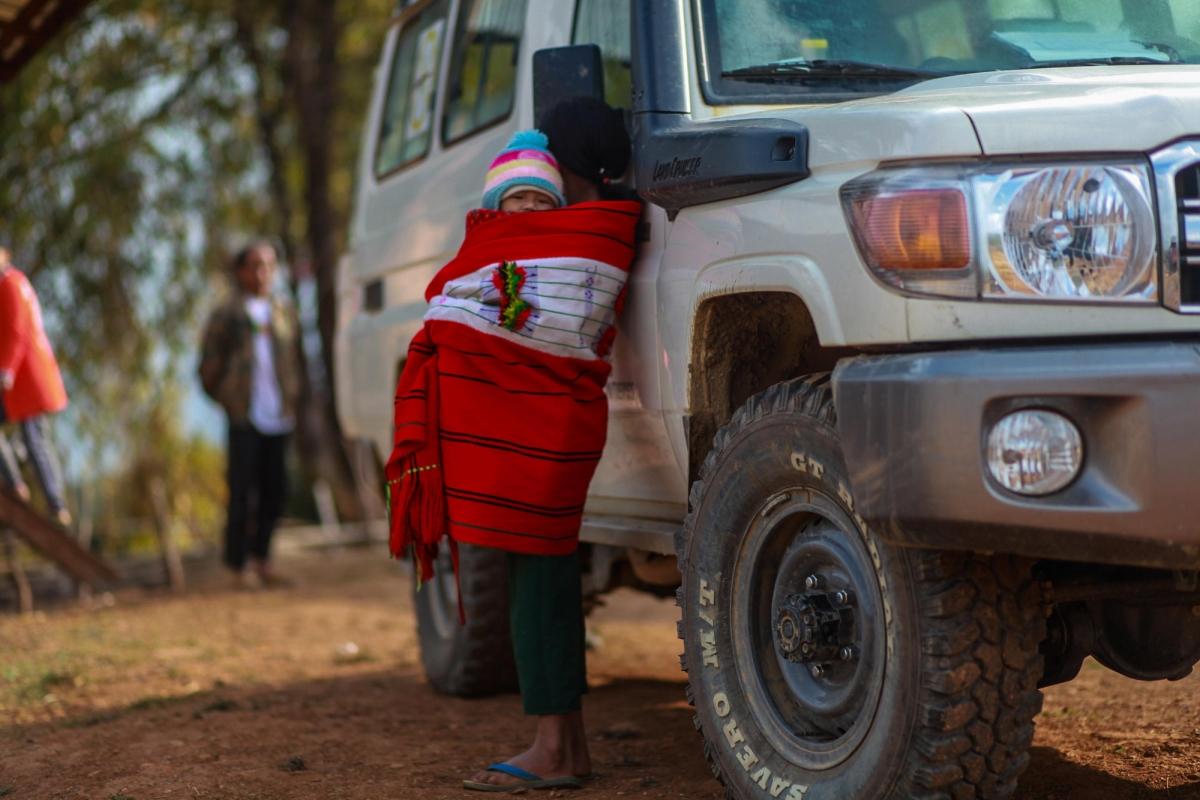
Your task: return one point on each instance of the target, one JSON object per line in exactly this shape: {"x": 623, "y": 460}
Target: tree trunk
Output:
{"x": 312, "y": 66}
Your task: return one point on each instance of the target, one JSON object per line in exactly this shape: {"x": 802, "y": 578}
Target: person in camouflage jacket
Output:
{"x": 227, "y": 356}
{"x": 250, "y": 366}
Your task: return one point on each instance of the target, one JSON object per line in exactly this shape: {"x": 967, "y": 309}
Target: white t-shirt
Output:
{"x": 266, "y": 400}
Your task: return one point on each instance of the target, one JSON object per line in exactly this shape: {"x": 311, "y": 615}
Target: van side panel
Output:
{"x": 410, "y": 223}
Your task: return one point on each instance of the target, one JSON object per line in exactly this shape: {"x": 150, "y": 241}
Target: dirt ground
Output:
{"x": 260, "y": 696}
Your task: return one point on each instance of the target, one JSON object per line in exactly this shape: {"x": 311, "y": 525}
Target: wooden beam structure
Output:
{"x": 51, "y": 541}
{"x": 27, "y": 25}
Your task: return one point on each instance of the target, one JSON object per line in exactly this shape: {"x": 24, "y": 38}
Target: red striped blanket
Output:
{"x": 500, "y": 413}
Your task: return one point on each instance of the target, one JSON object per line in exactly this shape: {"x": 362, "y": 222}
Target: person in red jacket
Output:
{"x": 30, "y": 384}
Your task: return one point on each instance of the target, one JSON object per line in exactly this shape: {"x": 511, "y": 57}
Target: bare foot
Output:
{"x": 582, "y": 761}
{"x": 559, "y": 750}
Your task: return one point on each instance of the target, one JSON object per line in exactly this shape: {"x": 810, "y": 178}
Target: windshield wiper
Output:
{"x": 829, "y": 68}
{"x": 1111, "y": 61}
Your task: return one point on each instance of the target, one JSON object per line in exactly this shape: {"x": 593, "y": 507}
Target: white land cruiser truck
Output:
{"x": 910, "y": 377}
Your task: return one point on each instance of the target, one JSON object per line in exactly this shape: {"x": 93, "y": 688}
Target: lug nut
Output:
{"x": 816, "y": 670}
{"x": 813, "y": 582}
{"x": 848, "y": 653}
{"x": 843, "y": 597}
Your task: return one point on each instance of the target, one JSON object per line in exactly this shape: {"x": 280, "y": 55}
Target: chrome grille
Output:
{"x": 1187, "y": 198}
{"x": 1177, "y": 175}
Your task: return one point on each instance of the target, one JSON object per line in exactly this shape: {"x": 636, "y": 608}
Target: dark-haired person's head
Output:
{"x": 254, "y": 268}
{"x": 589, "y": 139}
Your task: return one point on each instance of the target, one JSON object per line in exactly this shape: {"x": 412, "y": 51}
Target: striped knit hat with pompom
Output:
{"x": 526, "y": 163}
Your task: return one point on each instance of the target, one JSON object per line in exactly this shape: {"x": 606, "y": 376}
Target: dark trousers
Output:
{"x": 41, "y": 455}
{"x": 546, "y": 618}
{"x": 10, "y": 473}
{"x": 257, "y": 489}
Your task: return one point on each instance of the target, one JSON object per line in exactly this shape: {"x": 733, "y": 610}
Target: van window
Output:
{"x": 606, "y": 23}
{"x": 405, "y": 131}
{"x": 483, "y": 71}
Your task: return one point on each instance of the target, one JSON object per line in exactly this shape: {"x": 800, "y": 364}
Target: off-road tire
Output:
{"x": 475, "y": 659}
{"x": 957, "y": 696}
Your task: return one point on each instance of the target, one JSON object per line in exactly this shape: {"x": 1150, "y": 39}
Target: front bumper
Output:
{"x": 913, "y": 429}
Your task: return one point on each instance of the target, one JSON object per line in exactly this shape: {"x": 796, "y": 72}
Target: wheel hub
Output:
{"x": 805, "y": 590}
{"x": 814, "y": 627}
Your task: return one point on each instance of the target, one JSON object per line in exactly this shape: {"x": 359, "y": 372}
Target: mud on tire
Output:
{"x": 475, "y": 659}
{"x": 932, "y": 692}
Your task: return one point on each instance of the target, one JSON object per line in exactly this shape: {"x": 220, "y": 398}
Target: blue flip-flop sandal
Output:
{"x": 525, "y": 780}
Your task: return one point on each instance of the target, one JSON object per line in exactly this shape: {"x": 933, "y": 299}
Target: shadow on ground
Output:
{"x": 248, "y": 696}
{"x": 1052, "y": 777}
{"x": 385, "y": 734}
{"x": 371, "y": 736}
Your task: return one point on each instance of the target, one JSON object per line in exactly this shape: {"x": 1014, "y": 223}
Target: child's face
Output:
{"x": 527, "y": 200}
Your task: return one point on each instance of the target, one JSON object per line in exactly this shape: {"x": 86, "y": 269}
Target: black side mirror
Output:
{"x": 560, "y": 73}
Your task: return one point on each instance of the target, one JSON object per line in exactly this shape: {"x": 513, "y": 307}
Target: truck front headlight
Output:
{"x": 1058, "y": 232}
{"x": 1083, "y": 232}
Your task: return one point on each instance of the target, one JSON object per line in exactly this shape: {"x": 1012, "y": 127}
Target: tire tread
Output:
{"x": 983, "y": 621}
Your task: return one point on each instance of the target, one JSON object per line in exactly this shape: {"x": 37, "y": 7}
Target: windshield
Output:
{"x": 857, "y": 45}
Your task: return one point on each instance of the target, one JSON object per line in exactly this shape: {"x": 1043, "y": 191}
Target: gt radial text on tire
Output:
{"x": 474, "y": 659}
{"x": 826, "y": 664}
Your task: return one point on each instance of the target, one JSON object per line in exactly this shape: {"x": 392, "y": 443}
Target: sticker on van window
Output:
{"x": 420, "y": 106}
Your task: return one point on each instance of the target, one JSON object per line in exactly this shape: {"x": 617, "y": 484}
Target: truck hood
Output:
{"x": 1109, "y": 109}
{"x": 1075, "y": 109}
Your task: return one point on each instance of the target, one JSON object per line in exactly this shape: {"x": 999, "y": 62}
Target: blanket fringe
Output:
{"x": 417, "y": 508}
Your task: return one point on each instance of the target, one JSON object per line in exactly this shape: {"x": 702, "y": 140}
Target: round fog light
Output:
{"x": 1034, "y": 452}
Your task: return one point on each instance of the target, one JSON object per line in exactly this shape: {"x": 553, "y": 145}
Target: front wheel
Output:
{"x": 826, "y": 664}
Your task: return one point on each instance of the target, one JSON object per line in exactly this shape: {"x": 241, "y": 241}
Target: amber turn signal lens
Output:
{"x": 919, "y": 229}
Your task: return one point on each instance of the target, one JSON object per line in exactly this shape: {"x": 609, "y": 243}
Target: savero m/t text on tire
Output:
{"x": 826, "y": 664}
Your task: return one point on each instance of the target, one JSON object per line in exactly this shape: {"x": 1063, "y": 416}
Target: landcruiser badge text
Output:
{"x": 676, "y": 168}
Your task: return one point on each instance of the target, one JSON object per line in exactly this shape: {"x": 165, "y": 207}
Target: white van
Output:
{"x": 904, "y": 395}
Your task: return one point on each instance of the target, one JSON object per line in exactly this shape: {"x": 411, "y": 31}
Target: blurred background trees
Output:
{"x": 139, "y": 151}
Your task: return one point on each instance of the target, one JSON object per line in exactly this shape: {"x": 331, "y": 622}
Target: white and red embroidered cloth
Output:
{"x": 500, "y": 412}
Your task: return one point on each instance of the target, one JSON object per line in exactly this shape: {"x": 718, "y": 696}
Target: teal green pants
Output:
{"x": 546, "y": 618}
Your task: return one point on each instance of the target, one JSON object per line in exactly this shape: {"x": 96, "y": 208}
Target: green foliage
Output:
{"x": 162, "y": 464}
{"x": 105, "y": 181}
{"x": 135, "y": 159}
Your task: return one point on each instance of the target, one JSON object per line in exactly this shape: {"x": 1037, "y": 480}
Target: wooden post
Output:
{"x": 172, "y": 562}
{"x": 83, "y": 535}
{"x": 16, "y": 571}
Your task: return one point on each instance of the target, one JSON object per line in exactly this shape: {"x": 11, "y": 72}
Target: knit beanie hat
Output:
{"x": 526, "y": 163}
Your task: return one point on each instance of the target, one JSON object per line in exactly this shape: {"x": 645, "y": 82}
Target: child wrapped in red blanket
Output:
{"x": 500, "y": 415}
